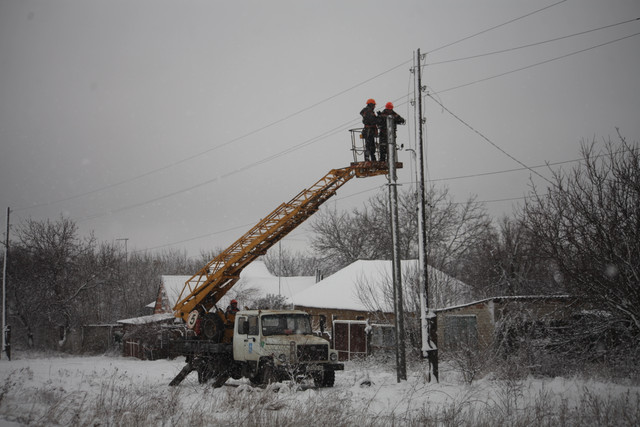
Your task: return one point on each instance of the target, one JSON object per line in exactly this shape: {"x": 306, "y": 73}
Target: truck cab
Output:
{"x": 278, "y": 344}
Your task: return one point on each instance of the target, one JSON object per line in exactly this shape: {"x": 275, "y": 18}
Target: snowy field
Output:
{"x": 116, "y": 391}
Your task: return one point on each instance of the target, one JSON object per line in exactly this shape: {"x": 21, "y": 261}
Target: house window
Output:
{"x": 461, "y": 332}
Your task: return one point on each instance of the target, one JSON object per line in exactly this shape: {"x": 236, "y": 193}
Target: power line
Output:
{"x": 476, "y": 175}
{"x": 186, "y": 159}
{"x": 244, "y": 226}
{"x": 495, "y": 27}
{"x": 536, "y": 64}
{"x": 529, "y": 45}
{"x": 226, "y": 175}
{"x": 378, "y": 187}
{"x": 487, "y": 139}
{"x": 341, "y": 127}
{"x": 252, "y": 133}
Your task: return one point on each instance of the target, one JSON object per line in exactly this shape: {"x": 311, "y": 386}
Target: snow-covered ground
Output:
{"x": 111, "y": 390}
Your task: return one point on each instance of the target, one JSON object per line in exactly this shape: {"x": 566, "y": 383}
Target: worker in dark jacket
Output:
{"x": 388, "y": 111}
{"x": 370, "y": 131}
{"x": 233, "y": 307}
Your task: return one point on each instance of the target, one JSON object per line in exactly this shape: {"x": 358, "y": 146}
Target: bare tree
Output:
{"x": 342, "y": 238}
{"x": 506, "y": 261}
{"x": 377, "y": 296}
{"x": 453, "y": 229}
{"x": 285, "y": 263}
{"x": 588, "y": 225}
{"x": 49, "y": 280}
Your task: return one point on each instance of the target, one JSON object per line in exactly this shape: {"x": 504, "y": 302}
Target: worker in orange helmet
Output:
{"x": 233, "y": 307}
{"x": 370, "y": 131}
{"x": 382, "y": 115}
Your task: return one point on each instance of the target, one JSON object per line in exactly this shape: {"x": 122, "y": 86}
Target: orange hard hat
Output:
{"x": 371, "y": 101}
{"x": 389, "y": 106}
{"x": 233, "y": 301}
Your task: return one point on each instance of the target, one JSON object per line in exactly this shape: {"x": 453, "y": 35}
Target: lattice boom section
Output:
{"x": 217, "y": 277}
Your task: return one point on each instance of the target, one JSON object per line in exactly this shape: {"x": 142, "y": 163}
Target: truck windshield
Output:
{"x": 285, "y": 324}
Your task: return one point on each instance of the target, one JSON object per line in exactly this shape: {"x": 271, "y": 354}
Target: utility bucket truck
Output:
{"x": 262, "y": 345}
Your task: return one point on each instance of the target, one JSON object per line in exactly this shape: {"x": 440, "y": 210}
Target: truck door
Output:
{"x": 246, "y": 341}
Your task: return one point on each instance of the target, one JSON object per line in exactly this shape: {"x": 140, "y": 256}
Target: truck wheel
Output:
{"x": 205, "y": 373}
{"x": 268, "y": 373}
{"x": 214, "y": 369}
{"x": 324, "y": 379}
{"x": 212, "y": 327}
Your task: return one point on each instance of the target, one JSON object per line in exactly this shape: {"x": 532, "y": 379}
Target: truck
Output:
{"x": 262, "y": 345}
{"x": 265, "y": 346}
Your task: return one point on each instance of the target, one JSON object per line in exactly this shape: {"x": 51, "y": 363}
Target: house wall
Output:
{"x": 485, "y": 325}
{"x": 332, "y": 314}
{"x": 491, "y": 312}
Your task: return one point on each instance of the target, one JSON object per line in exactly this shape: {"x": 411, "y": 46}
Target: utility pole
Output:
{"x": 401, "y": 364}
{"x": 6, "y": 340}
{"x": 428, "y": 318}
{"x": 126, "y": 253}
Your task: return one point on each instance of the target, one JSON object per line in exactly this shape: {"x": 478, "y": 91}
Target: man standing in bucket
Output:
{"x": 388, "y": 111}
{"x": 370, "y": 131}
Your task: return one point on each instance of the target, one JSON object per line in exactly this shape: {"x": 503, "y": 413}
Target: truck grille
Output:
{"x": 312, "y": 352}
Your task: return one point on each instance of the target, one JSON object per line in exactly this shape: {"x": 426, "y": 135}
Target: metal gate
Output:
{"x": 350, "y": 338}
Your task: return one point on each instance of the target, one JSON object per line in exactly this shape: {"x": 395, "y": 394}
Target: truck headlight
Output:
{"x": 333, "y": 357}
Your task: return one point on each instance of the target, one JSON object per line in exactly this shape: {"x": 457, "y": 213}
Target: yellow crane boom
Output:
{"x": 202, "y": 291}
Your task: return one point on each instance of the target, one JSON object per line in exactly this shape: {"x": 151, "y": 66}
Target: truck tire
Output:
{"x": 324, "y": 379}
{"x": 204, "y": 373}
{"x": 268, "y": 374}
{"x": 214, "y": 369}
{"x": 212, "y": 327}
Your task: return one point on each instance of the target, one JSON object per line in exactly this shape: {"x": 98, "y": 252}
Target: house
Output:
{"x": 364, "y": 291}
{"x": 476, "y": 324}
{"x": 145, "y": 337}
{"x": 356, "y": 303}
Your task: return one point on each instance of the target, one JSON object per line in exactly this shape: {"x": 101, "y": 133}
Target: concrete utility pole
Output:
{"x": 126, "y": 251}
{"x": 6, "y": 344}
{"x": 428, "y": 318}
{"x": 401, "y": 364}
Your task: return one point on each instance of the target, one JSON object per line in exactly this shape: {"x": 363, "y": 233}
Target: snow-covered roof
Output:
{"x": 143, "y": 320}
{"x": 253, "y": 276}
{"x": 256, "y": 275}
{"x": 507, "y": 298}
{"x": 341, "y": 289}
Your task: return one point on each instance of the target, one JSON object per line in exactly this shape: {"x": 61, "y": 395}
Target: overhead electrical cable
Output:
{"x": 194, "y": 156}
{"x": 222, "y": 176}
{"x": 536, "y": 64}
{"x": 494, "y": 27}
{"x": 487, "y": 139}
{"x": 495, "y": 52}
{"x": 186, "y": 159}
{"x": 243, "y": 226}
{"x": 379, "y": 187}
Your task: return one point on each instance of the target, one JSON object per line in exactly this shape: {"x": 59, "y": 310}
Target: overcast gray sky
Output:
{"x": 179, "y": 124}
